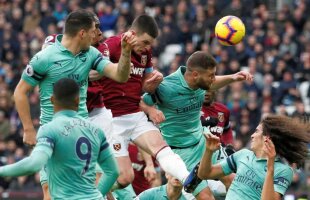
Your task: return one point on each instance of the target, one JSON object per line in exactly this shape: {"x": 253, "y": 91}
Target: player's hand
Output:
{"x": 149, "y": 173}
{"x": 155, "y": 115}
{"x": 269, "y": 149}
{"x": 209, "y": 121}
{"x": 129, "y": 40}
{"x": 29, "y": 137}
{"x": 242, "y": 76}
{"x": 213, "y": 142}
{"x": 152, "y": 83}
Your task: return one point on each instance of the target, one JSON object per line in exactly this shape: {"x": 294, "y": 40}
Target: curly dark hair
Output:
{"x": 290, "y": 137}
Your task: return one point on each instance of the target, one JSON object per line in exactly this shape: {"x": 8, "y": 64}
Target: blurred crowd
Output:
{"x": 276, "y": 50}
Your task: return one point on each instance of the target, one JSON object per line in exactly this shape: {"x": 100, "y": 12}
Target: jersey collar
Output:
{"x": 69, "y": 113}
{"x": 181, "y": 72}
{"x": 58, "y": 43}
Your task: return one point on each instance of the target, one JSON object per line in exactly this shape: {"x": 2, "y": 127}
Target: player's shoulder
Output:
{"x": 220, "y": 106}
{"x": 113, "y": 40}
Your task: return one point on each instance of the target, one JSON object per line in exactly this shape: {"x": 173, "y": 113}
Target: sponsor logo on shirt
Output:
{"x": 249, "y": 178}
{"x": 29, "y": 70}
{"x": 137, "y": 71}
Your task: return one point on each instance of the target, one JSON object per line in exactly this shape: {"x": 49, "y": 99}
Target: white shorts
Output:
{"x": 127, "y": 128}
{"x": 102, "y": 118}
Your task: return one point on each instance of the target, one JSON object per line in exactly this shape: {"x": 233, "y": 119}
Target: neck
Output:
{"x": 71, "y": 44}
{"x": 189, "y": 80}
{"x": 58, "y": 109}
{"x": 173, "y": 193}
{"x": 260, "y": 154}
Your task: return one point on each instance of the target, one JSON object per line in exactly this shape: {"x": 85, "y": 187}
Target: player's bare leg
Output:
{"x": 126, "y": 171}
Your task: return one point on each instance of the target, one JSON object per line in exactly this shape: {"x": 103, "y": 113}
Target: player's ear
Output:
{"x": 77, "y": 101}
{"x": 52, "y": 99}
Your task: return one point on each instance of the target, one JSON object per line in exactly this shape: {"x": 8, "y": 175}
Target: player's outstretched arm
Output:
{"x": 23, "y": 109}
{"x": 111, "y": 173}
{"x": 26, "y": 166}
{"x": 120, "y": 72}
{"x": 221, "y": 81}
{"x": 206, "y": 169}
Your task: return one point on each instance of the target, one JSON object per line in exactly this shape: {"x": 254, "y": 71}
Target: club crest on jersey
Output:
{"x": 220, "y": 116}
{"x": 143, "y": 60}
{"x": 106, "y": 53}
{"x": 117, "y": 146}
{"x": 29, "y": 70}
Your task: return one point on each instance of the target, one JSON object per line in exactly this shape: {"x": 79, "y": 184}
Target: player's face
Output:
{"x": 257, "y": 139}
{"x": 144, "y": 43}
{"x": 88, "y": 37}
{"x": 98, "y": 35}
{"x": 205, "y": 78}
{"x": 209, "y": 97}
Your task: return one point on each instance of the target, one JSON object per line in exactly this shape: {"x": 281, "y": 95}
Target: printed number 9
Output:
{"x": 83, "y": 155}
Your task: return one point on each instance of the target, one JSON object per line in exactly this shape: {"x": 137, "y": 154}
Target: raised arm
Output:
{"x": 221, "y": 81}
{"x": 23, "y": 109}
{"x": 206, "y": 169}
{"x": 268, "y": 192}
{"x": 120, "y": 71}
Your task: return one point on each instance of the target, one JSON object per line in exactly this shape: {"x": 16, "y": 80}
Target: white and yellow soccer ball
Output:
{"x": 229, "y": 30}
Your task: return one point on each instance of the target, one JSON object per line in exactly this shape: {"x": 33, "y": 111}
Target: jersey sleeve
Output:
{"x": 100, "y": 61}
{"x": 105, "y": 150}
{"x": 283, "y": 180}
{"x": 230, "y": 164}
{"x": 149, "y": 64}
{"x": 147, "y": 194}
{"x": 157, "y": 97}
{"x": 45, "y": 140}
{"x": 36, "y": 69}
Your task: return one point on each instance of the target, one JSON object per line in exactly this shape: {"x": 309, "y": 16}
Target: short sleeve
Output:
{"x": 157, "y": 97}
{"x": 283, "y": 180}
{"x": 230, "y": 164}
{"x": 105, "y": 150}
{"x": 149, "y": 64}
{"x": 100, "y": 61}
{"x": 36, "y": 69}
{"x": 45, "y": 140}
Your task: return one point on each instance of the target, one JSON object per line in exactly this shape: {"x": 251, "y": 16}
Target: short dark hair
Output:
{"x": 78, "y": 20}
{"x": 201, "y": 60}
{"x": 145, "y": 24}
{"x": 65, "y": 91}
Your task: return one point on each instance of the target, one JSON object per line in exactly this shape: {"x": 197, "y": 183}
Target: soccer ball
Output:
{"x": 229, "y": 30}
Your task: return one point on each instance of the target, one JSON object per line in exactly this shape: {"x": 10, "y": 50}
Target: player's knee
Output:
{"x": 126, "y": 177}
{"x": 205, "y": 194}
{"x": 46, "y": 194}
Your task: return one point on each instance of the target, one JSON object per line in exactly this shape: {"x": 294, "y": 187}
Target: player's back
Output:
{"x": 71, "y": 169}
{"x": 56, "y": 62}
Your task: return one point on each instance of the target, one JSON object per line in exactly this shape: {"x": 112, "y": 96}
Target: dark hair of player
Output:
{"x": 78, "y": 20}
{"x": 201, "y": 60}
{"x": 65, "y": 91}
{"x": 145, "y": 24}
